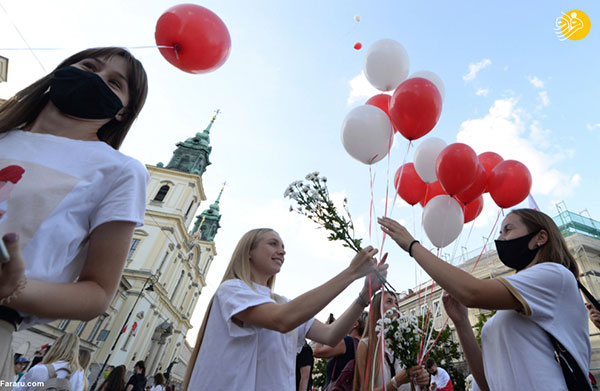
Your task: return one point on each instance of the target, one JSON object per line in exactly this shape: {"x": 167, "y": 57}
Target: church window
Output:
{"x": 162, "y": 193}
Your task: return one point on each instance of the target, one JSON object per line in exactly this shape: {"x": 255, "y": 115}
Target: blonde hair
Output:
{"x": 373, "y": 355}
{"x": 241, "y": 269}
{"x": 65, "y": 348}
{"x": 85, "y": 356}
{"x": 555, "y": 249}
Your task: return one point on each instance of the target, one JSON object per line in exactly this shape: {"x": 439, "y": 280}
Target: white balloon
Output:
{"x": 432, "y": 77}
{"x": 357, "y": 18}
{"x": 367, "y": 133}
{"x": 386, "y": 64}
{"x": 426, "y": 155}
{"x": 443, "y": 220}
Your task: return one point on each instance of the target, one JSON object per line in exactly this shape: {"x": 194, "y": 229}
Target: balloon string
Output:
{"x": 487, "y": 240}
{"x": 400, "y": 176}
{"x": 371, "y": 204}
{"x": 29, "y": 48}
{"x": 426, "y": 324}
{"x": 387, "y": 188}
{"x": 371, "y": 327}
{"x": 381, "y": 336}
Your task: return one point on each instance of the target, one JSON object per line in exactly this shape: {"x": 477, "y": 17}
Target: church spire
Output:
{"x": 208, "y": 221}
{"x": 192, "y": 155}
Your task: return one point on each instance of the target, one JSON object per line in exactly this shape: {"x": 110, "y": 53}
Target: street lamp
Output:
{"x": 150, "y": 288}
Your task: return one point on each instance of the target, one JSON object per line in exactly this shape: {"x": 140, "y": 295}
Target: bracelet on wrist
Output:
{"x": 362, "y": 302}
{"x": 394, "y": 382}
{"x": 19, "y": 288}
{"x": 410, "y": 247}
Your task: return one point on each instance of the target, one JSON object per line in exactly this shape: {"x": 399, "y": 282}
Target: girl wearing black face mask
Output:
{"x": 539, "y": 301}
{"x": 69, "y": 200}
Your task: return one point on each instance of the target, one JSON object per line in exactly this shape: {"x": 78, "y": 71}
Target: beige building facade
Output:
{"x": 163, "y": 278}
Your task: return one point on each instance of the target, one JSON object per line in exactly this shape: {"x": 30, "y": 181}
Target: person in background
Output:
{"x": 304, "y": 367}
{"x": 159, "y": 382}
{"x": 137, "y": 382}
{"x": 107, "y": 371}
{"x": 594, "y": 315}
{"x": 395, "y": 377}
{"x": 85, "y": 356}
{"x": 343, "y": 352}
{"x": 63, "y": 356}
{"x": 440, "y": 380}
{"x": 20, "y": 364}
{"x": 115, "y": 380}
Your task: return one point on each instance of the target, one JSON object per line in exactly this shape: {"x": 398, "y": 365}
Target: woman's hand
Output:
{"x": 363, "y": 262}
{"x": 373, "y": 280}
{"x": 12, "y": 273}
{"x": 419, "y": 376}
{"x": 396, "y": 231}
{"x": 457, "y": 311}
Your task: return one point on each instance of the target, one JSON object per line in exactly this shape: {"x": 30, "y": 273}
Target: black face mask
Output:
{"x": 83, "y": 94}
{"x": 515, "y": 253}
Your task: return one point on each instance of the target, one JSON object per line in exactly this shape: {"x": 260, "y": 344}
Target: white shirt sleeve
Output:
{"x": 539, "y": 289}
{"x": 233, "y": 297}
{"x": 38, "y": 373}
{"x": 125, "y": 200}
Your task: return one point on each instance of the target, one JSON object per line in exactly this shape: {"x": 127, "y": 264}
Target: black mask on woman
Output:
{"x": 83, "y": 94}
{"x": 515, "y": 253}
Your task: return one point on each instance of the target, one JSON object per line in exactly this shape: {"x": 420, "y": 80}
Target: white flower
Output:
{"x": 387, "y": 320}
{"x": 305, "y": 189}
{"x": 309, "y": 177}
{"x": 288, "y": 191}
{"x": 291, "y": 208}
{"x": 397, "y": 335}
{"x": 324, "y": 179}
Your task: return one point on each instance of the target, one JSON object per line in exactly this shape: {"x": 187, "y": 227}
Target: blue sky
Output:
{"x": 292, "y": 77}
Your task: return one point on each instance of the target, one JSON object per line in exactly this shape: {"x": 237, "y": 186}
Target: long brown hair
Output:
{"x": 24, "y": 107}
{"x": 374, "y": 356}
{"x": 555, "y": 249}
{"x": 115, "y": 380}
{"x": 239, "y": 268}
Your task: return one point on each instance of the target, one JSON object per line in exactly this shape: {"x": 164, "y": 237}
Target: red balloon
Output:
{"x": 415, "y": 107}
{"x": 509, "y": 183}
{"x": 473, "y": 209}
{"x": 409, "y": 186}
{"x": 434, "y": 189}
{"x": 358, "y": 46}
{"x": 382, "y": 101}
{"x": 200, "y": 40}
{"x": 456, "y": 168}
{"x": 489, "y": 160}
{"x": 477, "y": 187}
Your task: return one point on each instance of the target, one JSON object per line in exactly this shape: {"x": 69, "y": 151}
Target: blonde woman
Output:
{"x": 395, "y": 377}
{"x": 250, "y": 336}
{"x": 64, "y": 357}
{"x": 84, "y": 361}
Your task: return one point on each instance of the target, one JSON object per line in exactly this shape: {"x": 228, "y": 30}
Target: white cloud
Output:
{"x": 536, "y": 82}
{"x": 360, "y": 89}
{"x": 504, "y": 131}
{"x": 482, "y": 92}
{"x": 543, "y": 97}
{"x": 476, "y": 67}
{"x": 593, "y": 127}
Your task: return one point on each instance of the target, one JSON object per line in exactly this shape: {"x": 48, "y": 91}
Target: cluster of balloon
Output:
{"x": 413, "y": 109}
{"x": 192, "y": 38}
{"x": 450, "y": 181}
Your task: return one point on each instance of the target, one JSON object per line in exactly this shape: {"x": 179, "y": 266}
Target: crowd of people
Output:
{"x": 65, "y": 361}
{"x": 59, "y": 141}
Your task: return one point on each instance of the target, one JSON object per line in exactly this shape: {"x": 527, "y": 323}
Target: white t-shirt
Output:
{"x": 39, "y": 373}
{"x": 158, "y": 387}
{"x": 67, "y": 189}
{"x": 245, "y": 358}
{"x": 517, "y": 352}
{"x": 387, "y": 371}
{"x": 441, "y": 379}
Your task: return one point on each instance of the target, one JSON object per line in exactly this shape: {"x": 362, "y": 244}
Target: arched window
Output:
{"x": 162, "y": 193}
